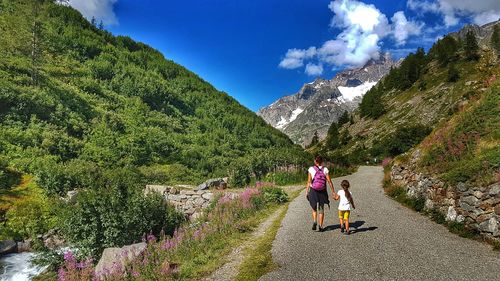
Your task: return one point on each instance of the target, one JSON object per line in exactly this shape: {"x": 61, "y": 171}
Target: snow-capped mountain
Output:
{"x": 322, "y": 102}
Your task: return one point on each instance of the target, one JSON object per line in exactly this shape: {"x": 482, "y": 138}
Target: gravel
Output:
{"x": 390, "y": 242}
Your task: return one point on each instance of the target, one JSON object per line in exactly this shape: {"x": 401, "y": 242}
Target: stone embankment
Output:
{"x": 476, "y": 206}
{"x": 189, "y": 200}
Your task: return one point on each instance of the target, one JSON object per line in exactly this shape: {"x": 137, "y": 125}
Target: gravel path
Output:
{"x": 391, "y": 242}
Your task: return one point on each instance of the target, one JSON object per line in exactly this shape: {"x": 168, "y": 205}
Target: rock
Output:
{"x": 207, "y": 196}
{"x": 190, "y": 192}
{"x": 190, "y": 211}
{"x": 478, "y": 194}
{"x": 494, "y": 189}
{"x": 71, "y": 196}
{"x": 24, "y": 246}
{"x": 199, "y": 201}
{"x": 54, "y": 241}
{"x": 460, "y": 218}
{"x": 429, "y": 204}
{"x": 161, "y": 189}
{"x": 7, "y": 247}
{"x": 173, "y": 190}
{"x": 490, "y": 225}
{"x": 218, "y": 183}
{"x": 468, "y": 83}
{"x": 471, "y": 200}
{"x": 169, "y": 269}
{"x": 483, "y": 217}
{"x": 396, "y": 177}
{"x": 173, "y": 197}
{"x": 497, "y": 210}
{"x": 202, "y": 186}
{"x": 461, "y": 187}
{"x": 452, "y": 214}
{"x": 119, "y": 256}
{"x": 195, "y": 216}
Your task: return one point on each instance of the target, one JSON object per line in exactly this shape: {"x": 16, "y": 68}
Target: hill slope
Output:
{"x": 75, "y": 99}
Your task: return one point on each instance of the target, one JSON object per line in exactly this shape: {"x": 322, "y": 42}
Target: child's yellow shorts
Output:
{"x": 344, "y": 214}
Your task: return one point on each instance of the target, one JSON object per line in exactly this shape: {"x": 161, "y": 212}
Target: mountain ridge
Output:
{"x": 319, "y": 103}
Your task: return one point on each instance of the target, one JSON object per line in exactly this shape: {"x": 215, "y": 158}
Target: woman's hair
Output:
{"x": 318, "y": 159}
{"x": 345, "y": 186}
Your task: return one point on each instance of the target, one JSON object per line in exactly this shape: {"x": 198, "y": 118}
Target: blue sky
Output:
{"x": 258, "y": 51}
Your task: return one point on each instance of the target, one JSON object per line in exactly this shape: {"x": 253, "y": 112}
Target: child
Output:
{"x": 345, "y": 205}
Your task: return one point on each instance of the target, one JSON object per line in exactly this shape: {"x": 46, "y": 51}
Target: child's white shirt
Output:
{"x": 344, "y": 204}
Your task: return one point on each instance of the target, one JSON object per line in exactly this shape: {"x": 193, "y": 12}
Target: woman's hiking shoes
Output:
{"x": 314, "y": 226}
{"x": 321, "y": 229}
{"x": 342, "y": 229}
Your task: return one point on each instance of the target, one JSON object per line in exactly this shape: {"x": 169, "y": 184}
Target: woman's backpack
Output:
{"x": 319, "y": 180}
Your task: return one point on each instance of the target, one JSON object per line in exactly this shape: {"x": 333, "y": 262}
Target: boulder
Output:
{"x": 7, "y": 247}
{"x": 207, "y": 196}
{"x": 71, "y": 196}
{"x": 452, "y": 214}
{"x": 497, "y": 210}
{"x": 218, "y": 183}
{"x": 470, "y": 200}
{"x": 119, "y": 256}
{"x": 161, "y": 189}
{"x": 24, "y": 246}
{"x": 174, "y": 190}
{"x": 490, "y": 225}
{"x": 494, "y": 189}
{"x": 461, "y": 187}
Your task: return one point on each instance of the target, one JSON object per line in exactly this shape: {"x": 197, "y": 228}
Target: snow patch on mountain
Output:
{"x": 283, "y": 122}
{"x": 349, "y": 93}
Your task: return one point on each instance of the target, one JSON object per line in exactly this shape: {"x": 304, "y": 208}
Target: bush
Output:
{"x": 286, "y": 178}
{"x": 274, "y": 195}
{"x": 171, "y": 174}
{"x": 240, "y": 174}
{"x": 114, "y": 217}
{"x": 31, "y": 216}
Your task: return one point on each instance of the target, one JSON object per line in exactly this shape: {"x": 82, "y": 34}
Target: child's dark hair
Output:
{"x": 345, "y": 186}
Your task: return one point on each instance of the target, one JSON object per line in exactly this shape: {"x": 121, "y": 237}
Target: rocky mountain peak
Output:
{"x": 319, "y": 103}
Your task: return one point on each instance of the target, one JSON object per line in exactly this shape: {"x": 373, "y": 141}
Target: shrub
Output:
{"x": 274, "y": 195}
{"x": 286, "y": 178}
{"x": 116, "y": 216}
{"x": 174, "y": 173}
{"x": 240, "y": 174}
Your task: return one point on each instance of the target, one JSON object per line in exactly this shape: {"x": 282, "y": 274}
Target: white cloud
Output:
{"x": 362, "y": 27}
{"x": 294, "y": 58}
{"x": 404, "y": 28}
{"x": 101, "y": 10}
{"x": 314, "y": 69}
{"x": 480, "y": 12}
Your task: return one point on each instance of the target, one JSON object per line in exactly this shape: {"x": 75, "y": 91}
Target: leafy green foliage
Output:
{"x": 400, "y": 141}
{"x": 286, "y": 178}
{"x": 274, "y": 195}
{"x": 102, "y": 102}
{"x": 116, "y": 216}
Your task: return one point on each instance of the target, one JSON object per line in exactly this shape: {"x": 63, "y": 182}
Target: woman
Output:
{"x": 317, "y": 193}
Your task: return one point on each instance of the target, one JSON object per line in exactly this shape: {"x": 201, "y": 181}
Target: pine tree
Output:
{"x": 332, "y": 138}
{"x": 101, "y": 25}
{"x": 495, "y": 39}
{"x": 344, "y": 118}
{"x": 314, "y": 140}
{"x": 470, "y": 46}
{"x": 93, "y": 21}
{"x": 453, "y": 74}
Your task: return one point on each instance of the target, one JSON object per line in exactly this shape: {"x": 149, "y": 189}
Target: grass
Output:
{"x": 259, "y": 260}
{"x": 196, "y": 264}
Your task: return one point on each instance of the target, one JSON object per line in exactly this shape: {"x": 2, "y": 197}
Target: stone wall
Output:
{"x": 185, "y": 199}
{"x": 476, "y": 206}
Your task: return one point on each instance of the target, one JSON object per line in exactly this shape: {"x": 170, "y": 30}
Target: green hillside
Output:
{"x": 76, "y": 101}
{"x": 452, "y": 91}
